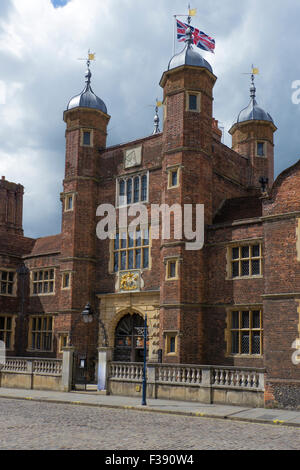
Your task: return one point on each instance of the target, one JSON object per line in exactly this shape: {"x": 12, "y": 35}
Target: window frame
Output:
{"x": 240, "y": 330}
{"x": 82, "y": 132}
{"x": 68, "y": 197}
{"x": 63, "y": 277}
{"x": 132, "y": 178}
{"x": 264, "y": 149}
{"x": 198, "y": 101}
{"x": 127, "y": 248}
{"x": 169, "y": 262}
{"x": 240, "y": 260}
{"x": 40, "y": 332}
{"x": 11, "y": 331}
{"x": 61, "y": 335}
{"x": 171, "y": 171}
{"x": 8, "y": 282}
{"x": 34, "y": 282}
{"x": 169, "y": 335}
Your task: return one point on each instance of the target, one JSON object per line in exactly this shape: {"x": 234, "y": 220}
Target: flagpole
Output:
{"x": 174, "y": 34}
{"x": 189, "y": 18}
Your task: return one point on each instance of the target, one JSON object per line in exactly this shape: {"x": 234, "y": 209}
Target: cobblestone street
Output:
{"x": 35, "y": 425}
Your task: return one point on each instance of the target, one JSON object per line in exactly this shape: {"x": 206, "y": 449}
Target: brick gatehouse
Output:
{"x": 235, "y": 302}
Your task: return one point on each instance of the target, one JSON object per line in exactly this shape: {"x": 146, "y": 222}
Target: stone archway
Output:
{"x": 129, "y": 344}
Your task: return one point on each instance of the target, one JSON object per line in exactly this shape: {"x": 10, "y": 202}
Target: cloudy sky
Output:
{"x": 41, "y": 41}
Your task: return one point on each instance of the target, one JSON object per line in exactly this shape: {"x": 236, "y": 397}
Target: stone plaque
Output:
{"x": 133, "y": 157}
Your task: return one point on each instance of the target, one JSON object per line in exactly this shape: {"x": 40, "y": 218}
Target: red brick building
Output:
{"x": 236, "y": 301}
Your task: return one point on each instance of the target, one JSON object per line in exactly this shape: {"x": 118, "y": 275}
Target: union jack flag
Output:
{"x": 200, "y": 39}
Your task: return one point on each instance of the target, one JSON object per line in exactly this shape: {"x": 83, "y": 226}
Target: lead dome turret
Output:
{"x": 188, "y": 56}
{"x": 253, "y": 112}
{"x": 87, "y": 98}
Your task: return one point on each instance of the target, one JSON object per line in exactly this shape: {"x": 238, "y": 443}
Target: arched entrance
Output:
{"x": 129, "y": 344}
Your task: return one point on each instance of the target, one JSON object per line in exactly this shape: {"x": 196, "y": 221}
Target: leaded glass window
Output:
{"x": 6, "y": 330}
{"x": 193, "y": 102}
{"x": 7, "y": 279}
{"x": 246, "y": 332}
{"x": 132, "y": 190}
{"x": 41, "y": 333}
{"x": 131, "y": 250}
{"x": 246, "y": 261}
{"x": 43, "y": 282}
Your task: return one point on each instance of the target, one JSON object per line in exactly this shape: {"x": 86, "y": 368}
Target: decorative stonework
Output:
{"x": 115, "y": 306}
{"x": 129, "y": 281}
{"x": 133, "y": 157}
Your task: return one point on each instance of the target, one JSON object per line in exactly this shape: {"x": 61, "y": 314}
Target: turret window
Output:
{"x": 193, "y": 101}
{"x": 171, "y": 342}
{"x": 66, "y": 280}
{"x": 260, "y": 149}
{"x": 69, "y": 202}
{"x": 172, "y": 269}
{"x": 173, "y": 177}
{"x": 86, "y": 137}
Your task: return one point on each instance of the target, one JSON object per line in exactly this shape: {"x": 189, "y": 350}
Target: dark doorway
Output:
{"x": 129, "y": 341}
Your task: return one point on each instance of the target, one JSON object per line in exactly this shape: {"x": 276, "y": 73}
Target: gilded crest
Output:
{"x": 129, "y": 281}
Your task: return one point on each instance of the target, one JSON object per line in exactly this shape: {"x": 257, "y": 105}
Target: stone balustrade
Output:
{"x": 242, "y": 378}
{"x": 32, "y": 365}
{"x": 126, "y": 371}
{"x": 191, "y": 375}
{"x": 47, "y": 367}
{"x": 15, "y": 365}
{"x": 31, "y": 373}
{"x": 190, "y": 382}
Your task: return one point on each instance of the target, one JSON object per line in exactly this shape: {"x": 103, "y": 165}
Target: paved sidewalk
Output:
{"x": 241, "y": 413}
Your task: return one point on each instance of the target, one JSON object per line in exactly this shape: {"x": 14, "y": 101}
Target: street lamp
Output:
{"x": 87, "y": 317}
{"x": 87, "y": 314}
{"x": 145, "y": 364}
{"x": 144, "y": 330}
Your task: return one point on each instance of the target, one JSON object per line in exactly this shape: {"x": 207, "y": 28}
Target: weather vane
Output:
{"x": 254, "y": 72}
{"x": 191, "y": 13}
{"x": 91, "y": 56}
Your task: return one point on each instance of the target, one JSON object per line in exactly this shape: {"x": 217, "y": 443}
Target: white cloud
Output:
{"x": 133, "y": 41}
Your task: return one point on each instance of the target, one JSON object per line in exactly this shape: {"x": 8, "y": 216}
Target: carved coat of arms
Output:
{"x": 129, "y": 281}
